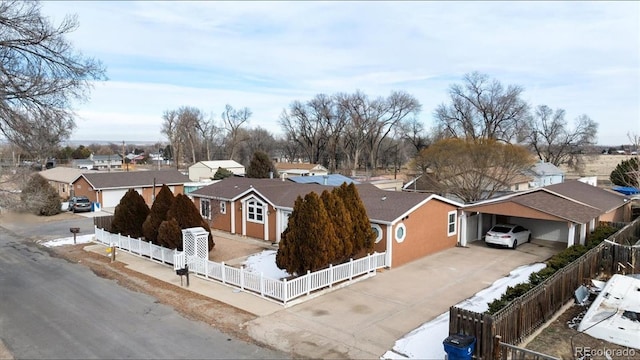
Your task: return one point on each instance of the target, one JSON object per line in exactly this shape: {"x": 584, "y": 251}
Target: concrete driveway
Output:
{"x": 365, "y": 319}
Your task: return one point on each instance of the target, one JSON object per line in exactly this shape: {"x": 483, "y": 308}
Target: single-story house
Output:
{"x": 205, "y": 170}
{"x": 99, "y": 162}
{"x": 62, "y": 178}
{"x": 544, "y": 174}
{"x": 408, "y": 225}
{"x": 564, "y": 212}
{"x": 286, "y": 169}
{"x": 107, "y": 188}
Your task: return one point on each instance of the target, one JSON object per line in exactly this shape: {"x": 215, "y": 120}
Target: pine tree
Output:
{"x": 626, "y": 173}
{"x": 40, "y": 198}
{"x": 130, "y": 214}
{"x": 341, "y": 220}
{"x": 158, "y": 214}
{"x": 261, "y": 167}
{"x": 306, "y": 244}
{"x": 186, "y": 214}
{"x": 170, "y": 234}
{"x": 222, "y": 173}
{"x": 363, "y": 236}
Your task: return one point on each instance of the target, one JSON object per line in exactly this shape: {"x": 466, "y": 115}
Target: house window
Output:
{"x": 451, "y": 222}
{"x": 223, "y": 207}
{"x": 205, "y": 208}
{"x": 378, "y": 230}
{"x": 401, "y": 233}
{"x": 255, "y": 211}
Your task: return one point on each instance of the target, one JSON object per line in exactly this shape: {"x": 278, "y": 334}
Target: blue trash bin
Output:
{"x": 459, "y": 346}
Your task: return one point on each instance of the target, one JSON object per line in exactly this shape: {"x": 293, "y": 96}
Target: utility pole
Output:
{"x": 123, "y": 156}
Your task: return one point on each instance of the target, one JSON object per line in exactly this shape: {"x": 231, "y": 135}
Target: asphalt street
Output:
{"x": 50, "y": 308}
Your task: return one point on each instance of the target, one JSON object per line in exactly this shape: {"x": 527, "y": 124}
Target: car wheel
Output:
{"x": 515, "y": 244}
{"x": 529, "y": 238}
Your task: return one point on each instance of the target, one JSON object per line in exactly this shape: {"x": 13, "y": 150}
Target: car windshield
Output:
{"x": 82, "y": 200}
{"x": 501, "y": 229}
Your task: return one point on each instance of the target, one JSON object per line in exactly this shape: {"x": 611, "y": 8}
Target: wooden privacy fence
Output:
{"x": 524, "y": 315}
{"x": 282, "y": 291}
{"x": 103, "y": 222}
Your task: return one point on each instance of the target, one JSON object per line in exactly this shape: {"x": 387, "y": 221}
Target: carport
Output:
{"x": 549, "y": 216}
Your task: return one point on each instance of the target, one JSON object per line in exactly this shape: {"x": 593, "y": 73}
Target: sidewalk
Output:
{"x": 363, "y": 320}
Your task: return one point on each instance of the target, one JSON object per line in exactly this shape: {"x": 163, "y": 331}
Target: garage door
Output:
{"x": 544, "y": 229}
{"x": 111, "y": 198}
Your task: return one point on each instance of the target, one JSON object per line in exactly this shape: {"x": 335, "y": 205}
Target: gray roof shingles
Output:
{"x": 128, "y": 179}
{"x": 589, "y": 194}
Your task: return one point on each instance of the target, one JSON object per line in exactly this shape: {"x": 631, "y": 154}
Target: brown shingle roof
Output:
{"x": 589, "y": 194}
{"x": 292, "y": 166}
{"x": 557, "y": 206}
{"x": 128, "y": 179}
{"x": 284, "y": 193}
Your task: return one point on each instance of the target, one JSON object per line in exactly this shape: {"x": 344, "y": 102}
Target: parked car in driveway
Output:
{"x": 79, "y": 204}
{"x": 508, "y": 235}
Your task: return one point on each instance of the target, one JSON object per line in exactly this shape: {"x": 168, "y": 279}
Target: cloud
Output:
{"x": 581, "y": 56}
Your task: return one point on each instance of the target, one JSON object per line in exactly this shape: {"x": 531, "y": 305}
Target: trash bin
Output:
{"x": 95, "y": 206}
{"x": 459, "y": 346}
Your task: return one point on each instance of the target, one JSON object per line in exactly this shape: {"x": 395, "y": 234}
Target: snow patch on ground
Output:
{"x": 265, "y": 263}
{"x": 80, "y": 239}
{"x": 425, "y": 342}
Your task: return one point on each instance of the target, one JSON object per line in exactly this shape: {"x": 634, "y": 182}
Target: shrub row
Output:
{"x": 555, "y": 263}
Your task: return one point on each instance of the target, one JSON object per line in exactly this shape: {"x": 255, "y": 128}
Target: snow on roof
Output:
{"x": 614, "y": 315}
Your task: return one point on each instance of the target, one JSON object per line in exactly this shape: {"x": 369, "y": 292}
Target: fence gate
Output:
{"x": 195, "y": 244}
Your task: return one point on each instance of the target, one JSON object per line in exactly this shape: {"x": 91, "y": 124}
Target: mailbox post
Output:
{"x": 74, "y": 231}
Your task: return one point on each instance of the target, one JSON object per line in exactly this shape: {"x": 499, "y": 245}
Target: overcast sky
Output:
{"x": 583, "y": 57}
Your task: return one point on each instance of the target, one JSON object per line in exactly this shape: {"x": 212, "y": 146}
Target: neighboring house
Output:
{"x": 286, "y": 170}
{"x": 99, "y": 162}
{"x": 544, "y": 174}
{"x": 135, "y": 158}
{"x": 408, "y": 225}
{"x": 107, "y": 188}
{"x": 62, "y": 178}
{"x": 564, "y": 212}
{"x": 205, "y": 170}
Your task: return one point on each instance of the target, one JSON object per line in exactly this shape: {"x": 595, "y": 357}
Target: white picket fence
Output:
{"x": 281, "y": 290}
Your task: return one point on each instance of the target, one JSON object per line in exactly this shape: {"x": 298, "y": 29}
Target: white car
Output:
{"x": 507, "y": 235}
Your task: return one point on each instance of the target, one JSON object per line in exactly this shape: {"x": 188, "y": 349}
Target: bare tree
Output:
{"x": 233, "y": 120}
{"x": 302, "y": 124}
{"x": 170, "y": 130}
{"x": 40, "y": 75}
{"x": 413, "y": 132}
{"x": 473, "y": 170}
{"x": 553, "y": 141}
{"x": 481, "y": 108}
{"x": 207, "y": 130}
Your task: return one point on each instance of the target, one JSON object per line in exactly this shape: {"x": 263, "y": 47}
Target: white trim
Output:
{"x": 399, "y": 227}
{"x": 223, "y": 207}
{"x": 389, "y": 245}
{"x": 233, "y": 217}
{"x": 378, "y": 230}
{"x": 454, "y": 222}
{"x": 208, "y": 213}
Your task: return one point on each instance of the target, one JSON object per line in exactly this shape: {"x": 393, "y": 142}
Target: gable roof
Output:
{"x": 299, "y": 166}
{"x": 128, "y": 179}
{"x": 545, "y": 169}
{"x": 225, "y": 164}
{"x": 283, "y": 194}
{"x": 588, "y": 194}
{"x": 63, "y": 174}
{"x": 572, "y": 200}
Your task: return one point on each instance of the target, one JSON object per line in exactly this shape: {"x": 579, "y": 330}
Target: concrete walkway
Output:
{"x": 365, "y": 319}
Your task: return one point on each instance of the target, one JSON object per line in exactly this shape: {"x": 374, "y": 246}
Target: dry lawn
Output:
{"x": 600, "y": 166}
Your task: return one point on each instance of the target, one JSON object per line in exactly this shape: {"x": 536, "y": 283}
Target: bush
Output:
{"x": 261, "y": 166}
{"x": 555, "y": 263}
{"x": 222, "y": 173}
{"x": 184, "y": 211}
{"x": 130, "y": 214}
{"x": 40, "y": 198}
{"x": 170, "y": 234}
{"x": 158, "y": 214}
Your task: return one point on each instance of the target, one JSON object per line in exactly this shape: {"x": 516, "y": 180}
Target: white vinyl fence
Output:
{"x": 281, "y": 290}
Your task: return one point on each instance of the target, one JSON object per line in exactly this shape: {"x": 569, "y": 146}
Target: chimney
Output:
{"x": 270, "y": 174}
{"x": 325, "y": 179}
